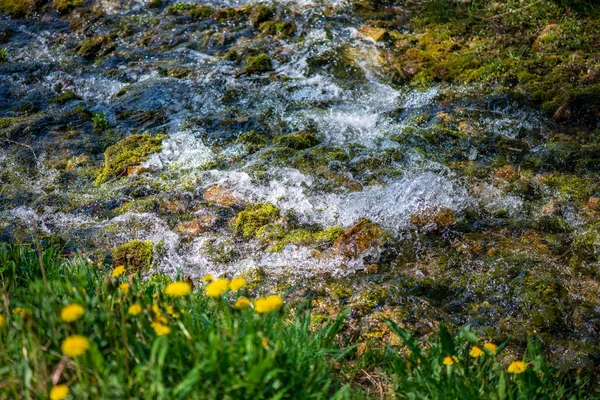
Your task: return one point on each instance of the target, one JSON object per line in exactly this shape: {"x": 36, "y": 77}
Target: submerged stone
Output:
{"x": 254, "y": 217}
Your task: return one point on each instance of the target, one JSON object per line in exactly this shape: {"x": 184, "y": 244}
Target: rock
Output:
{"x": 96, "y": 46}
{"x": 357, "y": 240}
{"x": 258, "y": 64}
{"x": 594, "y": 203}
{"x": 438, "y": 218}
{"x": 506, "y": 173}
{"x": 197, "y": 226}
{"x": 221, "y": 196}
{"x": 134, "y": 255}
{"x": 259, "y": 14}
{"x": 563, "y": 113}
{"x": 377, "y": 34}
{"x": 136, "y": 170}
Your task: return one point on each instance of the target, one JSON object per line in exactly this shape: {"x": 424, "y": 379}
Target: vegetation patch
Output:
{"x": 134, "y": 255}
{"x": 253, "y": 217}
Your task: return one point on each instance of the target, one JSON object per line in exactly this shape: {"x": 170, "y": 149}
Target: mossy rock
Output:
{"x": 297, "y": 141}
{"x": 134, "y": 255}
{"x": 65, "y": 97}
{"x": 258, "y": 64}
{"x": 65, "y": 6}
{"x": 302, "y": 237}
{"x": 259, "y": 14}
{"x": 254, "y": 217}
{"x": 279, "y": 29}
{"x": 96, "y": 46}
{"x": 18, "y": 8}
{"x": 130, "y": 151}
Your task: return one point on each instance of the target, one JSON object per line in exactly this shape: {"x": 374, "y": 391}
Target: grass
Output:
{"x": 181, "y": 345}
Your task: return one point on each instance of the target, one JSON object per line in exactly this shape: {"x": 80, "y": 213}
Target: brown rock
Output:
{"x": 437, "y": 217}
{"x": 221, "y": 196}
{"x": 377, "y": 34}
{"x": 594, "y": 203}
{"x": 198, "y": 226}
{"x": 136, "y": 170}
{"x": 563, "y": 113}
{"x": 361, "y": 237}
{"x": 506, "y": 173}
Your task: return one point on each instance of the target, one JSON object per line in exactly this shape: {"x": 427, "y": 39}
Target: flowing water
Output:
{"x": 167, "y": 74}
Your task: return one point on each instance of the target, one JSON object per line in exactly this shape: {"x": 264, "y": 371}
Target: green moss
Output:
{"x": 254, "y": 217}
{"x": 135, "y": 254}
{"x": 64, "y": 6}
{"x": 95, "y": 46}
{"x": 17, "y": 8}
{"x": 5, "y": 122}
{"x": 201, "y": 12}
{"x": 279, "y": 29}
{"x": 258, "y": 64}
{"x": 259, "y": 14}
{"x": 297, "y": 141}
{"x": 300, "y": 237}
{"x": 65, "y": 97}
{"x": 130, "y": 151}
{"x": 3, "y": 55}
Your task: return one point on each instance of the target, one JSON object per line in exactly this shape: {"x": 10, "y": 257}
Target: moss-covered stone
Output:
{"x": 18, "y": 8}
{"x": 258, "y": 64}
{"x": 254, "y": 217}
{"x": 259, "y": 14}
{"x": 278, "y": 29}
{"x": 299, "y": 237}
{"x": 65, "y": 6}
{"x": 96, "y": 46}
{"x": 130, "y": 151}
{"x": 297, "y": 141}
{"x": 65, "y": 97}
{"x": 134, "y": 255}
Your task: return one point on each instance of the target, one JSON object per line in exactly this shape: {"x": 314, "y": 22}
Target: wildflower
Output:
{"x": 171, "y": 311}
{"x": 124, "y": 287}
{"x": 135, "y": 309}
{"x": 207, "y": 278}
{"x": 517, "y": 367}
{"x": 264, "y": 342}
{"x": 268, "y": 304}
{"x": 75, "y": 345}
{"x": 491, "y": 347}
{"x": 20, "y": 311}
{"x": 72, "y": 312}
{"x": 217, "y": 288}
{"x": 59, "y": 392}
{"x": 450, "y": 360}
{"x": 178, "y": 289}
{"x": 237, "y": 283}
{"x": 159, "y": 317}
{"x": 161, "y": 329}
{"x": 242, "y": 303}
{"x": 2, "y": 321}
{"x": 118, "y": 271}
{"x": 476, "y": 352}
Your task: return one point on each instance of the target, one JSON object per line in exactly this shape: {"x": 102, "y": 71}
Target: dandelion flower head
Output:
{"x": 59, "y": 392}
{"x": 72, "y": 312}
{"x": 217, "y": 288}
{"x": 268, "y": 304}
{"x": 178, "y": 289}
{"x": 75, "y": 345}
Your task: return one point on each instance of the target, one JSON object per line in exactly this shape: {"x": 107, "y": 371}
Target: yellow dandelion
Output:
{"x": 2, "y": 321}
{"x": 237, "y": 283}
{"x": 72, "y": 312}
{"x": 207, "y": 278}
{"x": 75, "y": 345}
{"x": 20, "y": 311}
{"x": 491, "y": 347}
{"x": 242, "y": 303}
{"x": 118, "y": 271}
{"x": 264, "y": 342}
{"x": 448, "y": 360}
{"x": 517, "y": 367}
{"x": 134, "y": 309}
{"x": 161, "y": 329}
{"x": 171, "y": 311}
{"x": 59, "y": 392}
{"x": 268, "y": 304}
{"x": 476, "y": 352}
{"x": 217, "y": 288}
{"x": 124, "y": 287}
{"x": 178, "y": 289}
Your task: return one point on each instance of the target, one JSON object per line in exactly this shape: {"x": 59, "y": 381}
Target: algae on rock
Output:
{"x": 130, "y": 151}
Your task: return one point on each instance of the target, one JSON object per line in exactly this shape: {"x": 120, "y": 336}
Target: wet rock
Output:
{"x": 377, "y": 34}
{"x": 134, "y": 255}
{"x": 65, "y": 6}
{"x": 221, "y": 196}
{"x": 562, "y": 113}
{"x": 131, "y": 151}
{"x": 506, "y": 173}
{"x": 278, "y": 29}
{"x": 360, "y": 238}
{"x": 260, "y": 13}
{"x": 18, "y": 8}
{"x": 136, "y": 170}
{"x": 197, "y": 226}
{"x": 96, "y": 46}
{"x": 258, "y": 64}
{"x": 298, "y": 141}
{"x": 594, "y": 203}
{"x": 254, "y": 217}
{"x": 437, "y": 218}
